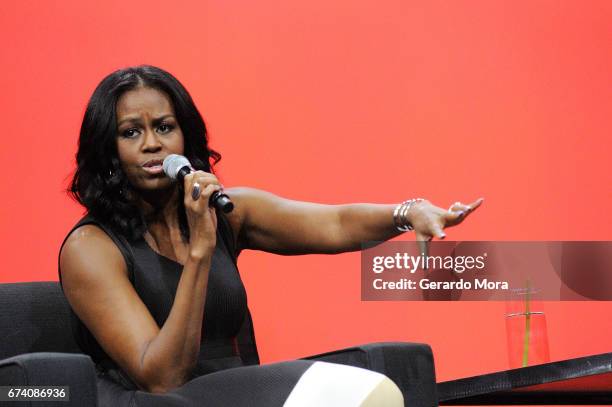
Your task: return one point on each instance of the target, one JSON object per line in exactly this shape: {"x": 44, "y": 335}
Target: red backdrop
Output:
{"x": 344, "y": 101}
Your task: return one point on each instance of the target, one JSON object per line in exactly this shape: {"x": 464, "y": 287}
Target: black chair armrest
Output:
{"x": 409, "y": 365}
{"x": 53, "y": 369}
{"x": 580, "y": 381}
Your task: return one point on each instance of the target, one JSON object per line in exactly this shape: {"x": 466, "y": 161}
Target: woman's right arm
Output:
{"x": 95, "y": 282}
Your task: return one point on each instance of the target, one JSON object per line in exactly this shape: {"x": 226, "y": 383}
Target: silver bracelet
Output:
{"x": 400, "y": 218}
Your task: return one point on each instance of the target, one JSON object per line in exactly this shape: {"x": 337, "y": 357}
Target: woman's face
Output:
{"x": 147, "y": 131}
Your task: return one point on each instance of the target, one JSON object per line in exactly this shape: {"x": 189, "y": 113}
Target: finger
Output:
{"x": 454, "y": 217}
{"x": 209, "y": 190}
{"x": 196, "y": 190}
{"x": 200, "y": 177}
{"x": 476, "y": 204}
{"x": 205, "y": 177}
{"x": 458, "y": 207}
{"x": 437, "y": 231}
{"x": 423, "y": 245}
{"x": 188, "y": 184}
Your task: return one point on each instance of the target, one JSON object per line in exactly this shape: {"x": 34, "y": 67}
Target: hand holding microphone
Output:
{"x": 176, "y": 167}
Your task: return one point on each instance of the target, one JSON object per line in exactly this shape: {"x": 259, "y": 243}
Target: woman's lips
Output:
{"x": 154, "y": 169}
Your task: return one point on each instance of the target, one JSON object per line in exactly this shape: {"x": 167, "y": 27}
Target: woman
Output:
{"x": 150, "y": 272}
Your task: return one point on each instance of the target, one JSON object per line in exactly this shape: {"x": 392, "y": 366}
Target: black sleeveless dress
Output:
{"x": 227, "y": 372}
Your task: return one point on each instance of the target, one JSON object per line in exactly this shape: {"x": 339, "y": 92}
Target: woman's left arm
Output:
{"x": 267, "y": 222}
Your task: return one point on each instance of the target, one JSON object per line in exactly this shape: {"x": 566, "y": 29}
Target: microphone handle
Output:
{"x": 218, "y": 199}
{"x": 221, "y": 202}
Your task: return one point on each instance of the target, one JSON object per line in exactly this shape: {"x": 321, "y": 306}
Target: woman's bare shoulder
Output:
{"x": 90, "y": 245}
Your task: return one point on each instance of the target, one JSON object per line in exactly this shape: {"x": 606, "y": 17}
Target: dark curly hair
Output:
{"x": 99, "y": 184}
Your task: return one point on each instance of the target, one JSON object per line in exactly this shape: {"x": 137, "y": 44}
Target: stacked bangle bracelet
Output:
{"x": 399, "y": 215}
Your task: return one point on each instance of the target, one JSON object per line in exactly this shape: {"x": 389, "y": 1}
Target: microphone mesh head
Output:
{"x": 173, "y": 163}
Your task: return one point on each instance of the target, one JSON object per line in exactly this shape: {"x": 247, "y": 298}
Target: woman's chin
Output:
{"x": 159, "y": 184}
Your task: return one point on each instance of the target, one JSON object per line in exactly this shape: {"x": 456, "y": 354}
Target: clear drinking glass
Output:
{"x": 526, "y": 330}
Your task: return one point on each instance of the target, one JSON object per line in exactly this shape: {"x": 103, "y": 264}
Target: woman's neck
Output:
{"x": 163, "y": 234}
{"x": 160, "y": 209}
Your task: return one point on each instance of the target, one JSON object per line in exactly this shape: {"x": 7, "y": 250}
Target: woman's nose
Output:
{"x": 151, "y": 141}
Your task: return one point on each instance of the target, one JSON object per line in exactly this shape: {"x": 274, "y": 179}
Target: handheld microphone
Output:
{"x": 176, "y": 167}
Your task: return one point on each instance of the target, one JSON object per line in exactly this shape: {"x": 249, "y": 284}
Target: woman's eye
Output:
{"x": 165, "y": 128}
{"x": 129, "y": 133}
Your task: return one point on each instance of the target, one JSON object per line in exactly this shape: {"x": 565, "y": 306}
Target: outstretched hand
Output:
{"x": 429, "y": 221}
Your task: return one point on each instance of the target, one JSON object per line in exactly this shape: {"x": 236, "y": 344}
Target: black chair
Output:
{"x": 36, "y": 343}
{"x": 37, "y": 348}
